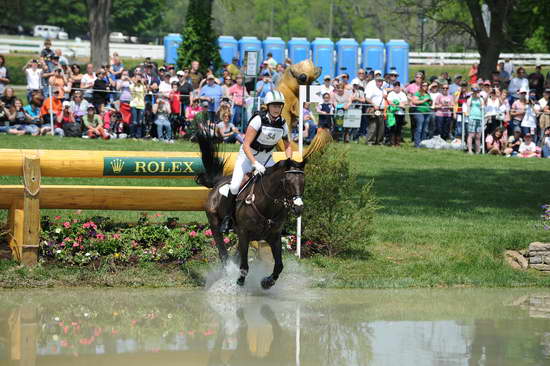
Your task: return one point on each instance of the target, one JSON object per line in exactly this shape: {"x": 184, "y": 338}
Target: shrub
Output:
{"x": 339, "y": 210}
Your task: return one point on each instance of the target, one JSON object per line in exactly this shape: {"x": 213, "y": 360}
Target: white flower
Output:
{"x": 88, "y": 254}
{"x": 58, "y": 251}
{"x": 86, "y": 315}
{"x": 55, "y": 337}
{"x": 56, "y": 319}
{"x": 58, "y": 230}
{"x": 169, "y": 316}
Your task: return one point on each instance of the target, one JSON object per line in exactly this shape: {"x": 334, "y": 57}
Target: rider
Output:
{"x": 263, "y": 133}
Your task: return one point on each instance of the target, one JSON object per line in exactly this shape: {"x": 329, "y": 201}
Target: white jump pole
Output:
{"x": 302, "y": 95}
{"x": 51, "y": 109}
{"x": 298, "y": 336}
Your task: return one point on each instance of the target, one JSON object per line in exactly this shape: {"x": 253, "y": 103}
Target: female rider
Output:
{"x": 262, "y": 135}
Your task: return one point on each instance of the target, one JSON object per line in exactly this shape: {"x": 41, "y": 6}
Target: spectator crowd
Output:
{"x": 507, "y": 114}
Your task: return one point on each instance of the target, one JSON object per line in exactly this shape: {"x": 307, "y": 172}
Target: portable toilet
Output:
{"x": 298, "y": 49}
{"x": 323, "y": 56}
{"x": 229, "y": 48}
{"x": 172, "y": 42}
{"x": 250, "y": 44}
{"x": 397, "y": 58}
{"x": 347, "y": 57}
{"x": 276, "y": 46}
{"x": 372, "y": 54}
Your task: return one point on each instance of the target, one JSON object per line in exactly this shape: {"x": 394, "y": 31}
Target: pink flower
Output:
{"x": 75, "y": 221}
{"x": 116, "y": 236}
{"x": 208, "y": 232}
{"x": 62, "y": 244}
{"x": 158, "y": 215}
{"x": 75, "y": 244}
{"x": 63, "y": 343}
{"x": 100, "y": 236}
{"x": 67, "y": 224}
{"x": 226, "y": 240}
{"x": 57, "y": 218}
{"x": 193, "y": 234}
{"x": 134, "y": 243}
{"x": 67, "y": 239}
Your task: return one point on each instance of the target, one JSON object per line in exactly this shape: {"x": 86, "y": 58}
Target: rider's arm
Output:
{"x": 288, "y": 148}
{"x": 248, "y": 139}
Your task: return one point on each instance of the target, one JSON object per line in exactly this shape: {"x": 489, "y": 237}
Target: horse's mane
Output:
{"x": 285, "y": 164}
{"x": 212, "y": 162}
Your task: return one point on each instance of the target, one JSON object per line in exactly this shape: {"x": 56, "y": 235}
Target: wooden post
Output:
{"x": 31, "y": 211}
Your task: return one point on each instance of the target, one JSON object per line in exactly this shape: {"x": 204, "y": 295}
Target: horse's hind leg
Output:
{"x": 218, "y": 238}
{"x": 276, "y": 250}
{"x": 215, "y": 222}
{"x": 243, "y": 253}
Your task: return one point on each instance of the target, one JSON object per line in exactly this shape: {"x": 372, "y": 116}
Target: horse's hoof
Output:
{"x": 267, "y": 283}
{"x": 240, "y": 281}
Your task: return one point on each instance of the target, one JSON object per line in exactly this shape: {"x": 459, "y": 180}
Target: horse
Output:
{"x": 262, "y": 206}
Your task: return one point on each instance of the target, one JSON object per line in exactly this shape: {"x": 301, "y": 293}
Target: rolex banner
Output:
{"x": 132, "y": 166}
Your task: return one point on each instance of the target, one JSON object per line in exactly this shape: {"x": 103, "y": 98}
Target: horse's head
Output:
{"x": 293, "y": 183}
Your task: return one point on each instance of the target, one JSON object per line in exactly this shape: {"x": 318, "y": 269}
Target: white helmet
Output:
{"x": 274, "y": 96}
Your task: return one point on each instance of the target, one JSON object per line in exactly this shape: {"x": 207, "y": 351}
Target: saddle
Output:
{"x": 247, "y": 179}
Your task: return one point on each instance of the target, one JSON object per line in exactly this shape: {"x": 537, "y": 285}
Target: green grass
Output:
{"x": 446, "y": 219}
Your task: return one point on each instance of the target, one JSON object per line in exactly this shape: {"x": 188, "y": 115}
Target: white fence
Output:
{"x": 455, "y": 58}
{"x": 81, "y": 49}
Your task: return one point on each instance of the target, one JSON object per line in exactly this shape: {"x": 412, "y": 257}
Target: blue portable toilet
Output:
{"x": 250, "y": 44}
{"x": 298, "y": 49}
{"x": 347, "y": 57}
{"x": 171, "y": 43}
{"x": 229, "y": 48}
{"x": 276, "y": 46}
{"x": 323, "y": 56}
{"x": 372, "y": 54}
{"x": 397, "y": 58}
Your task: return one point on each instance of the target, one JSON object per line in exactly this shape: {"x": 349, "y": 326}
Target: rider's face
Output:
{"x": 275, "y": 109}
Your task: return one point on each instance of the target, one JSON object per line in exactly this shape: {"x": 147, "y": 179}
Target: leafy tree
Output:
{"x": 137, "y": 17}
{"x": 199, "y": 39}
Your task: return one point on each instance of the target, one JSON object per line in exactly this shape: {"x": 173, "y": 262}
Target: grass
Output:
{"x": 446, "y": 219}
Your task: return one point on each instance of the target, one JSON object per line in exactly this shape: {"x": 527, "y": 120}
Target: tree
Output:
{"x": 199, "y": 39}
{"x": 98, "y": 22}
{"x": 137, "y": 17}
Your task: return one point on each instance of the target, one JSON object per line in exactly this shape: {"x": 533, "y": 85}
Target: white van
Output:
{"x": 49, "y": 32}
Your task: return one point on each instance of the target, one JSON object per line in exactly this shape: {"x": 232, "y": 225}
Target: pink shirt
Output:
{"x": 412, "y": 88}
{"x": 446, "y": 103}
{"x": 237, "y": 93}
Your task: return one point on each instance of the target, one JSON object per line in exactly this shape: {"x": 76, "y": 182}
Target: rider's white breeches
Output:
{"x": 243, "y": 166}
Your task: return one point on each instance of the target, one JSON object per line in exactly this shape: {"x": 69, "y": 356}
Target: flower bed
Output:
{"x": 78, "y": 240}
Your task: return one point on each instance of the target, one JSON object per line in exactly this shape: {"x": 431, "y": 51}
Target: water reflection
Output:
{"x": 324, "y": 327}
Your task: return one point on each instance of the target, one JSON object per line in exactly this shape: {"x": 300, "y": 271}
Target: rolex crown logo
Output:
{"x": 117, "y": 165}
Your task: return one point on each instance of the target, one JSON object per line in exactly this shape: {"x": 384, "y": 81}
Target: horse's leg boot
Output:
{"x": 227, "y": 222}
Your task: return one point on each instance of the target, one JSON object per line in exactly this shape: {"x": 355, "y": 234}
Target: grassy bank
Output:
{"x": 446, "y": 219}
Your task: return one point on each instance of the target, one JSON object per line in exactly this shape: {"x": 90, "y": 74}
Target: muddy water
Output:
{"x": 307, "y": 327}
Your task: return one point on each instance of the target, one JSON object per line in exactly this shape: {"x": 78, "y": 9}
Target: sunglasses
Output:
{"x": 445, "y": 88}
{"x": 56, "y": 92}
{"x": 424, "y": 84}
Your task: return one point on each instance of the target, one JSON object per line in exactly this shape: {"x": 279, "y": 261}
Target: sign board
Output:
{"x": 251, "y": 63}
{"x": 352, "y": 118}
{"x": 314, "y": 95}
{"x": 135, "y": 166}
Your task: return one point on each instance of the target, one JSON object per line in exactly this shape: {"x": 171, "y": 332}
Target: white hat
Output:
{"x": 180, "y": 72}
{"x": 377, "y": 72}
{"x": 274, "y": 96}
{"x": 66, "y": 104}
{"x": 523, "y": 90}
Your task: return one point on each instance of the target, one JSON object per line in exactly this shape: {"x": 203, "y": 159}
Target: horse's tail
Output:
{"x": 212, "y": 162}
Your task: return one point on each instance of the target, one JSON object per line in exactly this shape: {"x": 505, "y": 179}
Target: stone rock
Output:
{"x": 535, "y": 260}
{"x": 547, "y": 259}
{"x": 516, "y": 260}
{"x": 541, "y": 267}
{"x": 524, "y": 252}
{"x": 539, "y": 247}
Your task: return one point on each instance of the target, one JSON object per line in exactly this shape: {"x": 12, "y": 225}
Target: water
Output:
{"x": 289, "y": 326}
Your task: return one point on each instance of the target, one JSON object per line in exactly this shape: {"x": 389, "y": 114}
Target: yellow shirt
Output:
{"x": 138, "y": 96}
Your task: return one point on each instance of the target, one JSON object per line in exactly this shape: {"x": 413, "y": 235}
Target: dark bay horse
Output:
{"x": 261, "y": 209}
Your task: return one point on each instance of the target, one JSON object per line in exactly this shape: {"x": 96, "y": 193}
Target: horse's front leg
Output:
{"x": 243, "y": 253}
{"x": 276, "y": 250}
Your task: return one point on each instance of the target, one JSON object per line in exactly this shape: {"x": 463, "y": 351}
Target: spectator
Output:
{"x": 175, "y": 109}
{"x": 358, "y": 101}
{"x": 185, "y": 88}
{"x": 51, "y": 107}
{"x": 422, "y": 102}
{"x": 149, "y": 78}
{"x": 508, "y": 66}
{"x": 433, "y": 90}
{"x": 341, "y": 99}
{"x": 278, "y": 74}
{"x": 165, "y": 87}
{"x": 503, "y": 75}
{"x": 514, "y": 142}
{"x": 392, "y": 79}
{"x": 100, "y": 95}
{"x": 117, "y": 67}
{"x": 271, "y": 62}
{"x": 79, "y": 106}
{"x": 94, "y": 125}
{"x": 360, "y": 79}
{"x": 546, "y": 143}
{"x": 233, "y": 68}
{"x": 264, "y": 86}
{"x": 496, "y": 142}
{"x": 375, "y": 99}
{"x": 195, "y": 75}
{"x": 399, "y": 96}
{"x": 212, "y": 94}
{"x": 460, "y": 99}
{"x": 544, "y": 110}
{"x": 137, "y": 104}
{"x": 33, "y": 71}
{"x": 238, "y": 95}
{"x": 310, "y": 127}
{"x": 518, "y": 108}
{"x": 20, "y": 121}
{"x": 62, "y": 59}
{"x": 493, "y": 116}
{"x": 87, "y": 82}
{"x": 227, "y": 131}
{"x": 47, "y": 53}
{"x": 536, "y": 81}
{"x": 123, "y": 85}
{"x": 227, "y": 83}
{"x": 192, "y": 110}
{"x": 443, "y": 112}
{"x": 486, "y": 90}
{"x": 58, "y": 81}
{"x": 4, "y": 76}
{"x": 473, "y": 74}
{"x": 65, "y": 118}
{"x": 475, "y": 116}
{"x": 326, "y": 87}
{"x": 528, "y": 149}
{"x": 76, "y": 77}
{"x": 518, "y": 83}
{"x": 4, "y": 119}
{"x": 162, "y": 111}
{"x": 32, "y": 109}
{"x": 8, "y": 98}
{"x": 326, "y": 113}
{"x": 456, "y": 85}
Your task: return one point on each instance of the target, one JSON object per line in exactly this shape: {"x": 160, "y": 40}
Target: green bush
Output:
{"x": 339, "y": 211}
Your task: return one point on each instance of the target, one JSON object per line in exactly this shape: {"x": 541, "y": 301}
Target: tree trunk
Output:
{"x": 98, "y": 22}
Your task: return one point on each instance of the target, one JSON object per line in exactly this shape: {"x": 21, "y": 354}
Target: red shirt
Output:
{"x": 175, "y": 102}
